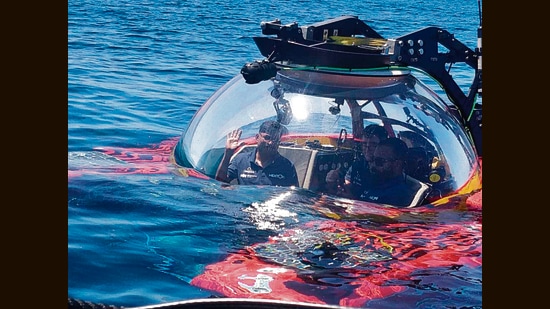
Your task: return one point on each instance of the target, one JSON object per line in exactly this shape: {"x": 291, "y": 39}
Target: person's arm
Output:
{"x": 231, "y": 144}
{"x": 345, "y": 190}
{"x": 332, "y": 179}
{"x": 336, "y": 186}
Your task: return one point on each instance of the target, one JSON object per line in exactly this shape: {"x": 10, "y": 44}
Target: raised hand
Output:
{"x": 232, "y": 141}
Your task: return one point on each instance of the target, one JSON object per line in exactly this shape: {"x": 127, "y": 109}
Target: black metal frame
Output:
{"x": 311, "y": 45}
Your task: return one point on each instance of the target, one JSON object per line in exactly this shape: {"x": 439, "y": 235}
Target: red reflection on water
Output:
{"x": 278, "y": 270}
{"x": 149, "y": 160}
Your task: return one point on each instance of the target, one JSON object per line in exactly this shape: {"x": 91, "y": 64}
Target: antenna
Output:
{"x": 479, "y": 8}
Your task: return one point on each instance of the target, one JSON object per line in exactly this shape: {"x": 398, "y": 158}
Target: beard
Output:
{"x": 379, "y": 176}
{"x": 267, "y": 148}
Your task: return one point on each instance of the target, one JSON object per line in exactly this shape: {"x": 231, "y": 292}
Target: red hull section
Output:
{"x": 293, "y": 276}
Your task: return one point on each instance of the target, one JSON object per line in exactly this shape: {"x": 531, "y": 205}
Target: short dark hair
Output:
{"x": 272, "y": 127}
{"x": 416, "y": 139}
{"x": 398, "y": 147}
{"x": 375, "y": 130}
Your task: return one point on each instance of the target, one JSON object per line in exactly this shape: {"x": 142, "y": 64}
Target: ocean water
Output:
{"x": 139, "y": 233}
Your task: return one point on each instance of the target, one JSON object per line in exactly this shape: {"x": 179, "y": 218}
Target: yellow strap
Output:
{"x": 356, "y": 41}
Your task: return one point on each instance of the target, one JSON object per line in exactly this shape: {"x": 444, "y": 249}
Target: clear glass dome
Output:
{"x": 326, "y": 110}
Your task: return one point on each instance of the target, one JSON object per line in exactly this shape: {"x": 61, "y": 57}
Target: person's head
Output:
{"x": 413, "y": 139}
{"x": 269, "y": 135}
{"x": 373, "y": 134}
{"x": 389, "y": 158}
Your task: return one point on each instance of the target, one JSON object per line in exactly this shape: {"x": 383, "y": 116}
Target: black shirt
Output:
{"x": 403, "y": 190}
{"x": 359, "y": 176}
{"x": 281, "y": 172}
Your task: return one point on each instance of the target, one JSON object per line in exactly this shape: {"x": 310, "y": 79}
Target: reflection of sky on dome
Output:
{"x": 312, "y": 114}
{"x": 300, "y": 108}
{"x": 239, "y": 104}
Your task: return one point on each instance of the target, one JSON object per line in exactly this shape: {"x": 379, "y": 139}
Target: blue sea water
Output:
{"x": 137, "y": 72}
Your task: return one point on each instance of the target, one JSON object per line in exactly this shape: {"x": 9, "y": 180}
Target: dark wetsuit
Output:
{"x": 359, "y": 176}
{"x": 279, "y": 173}
{"x": 403, "y": 191}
